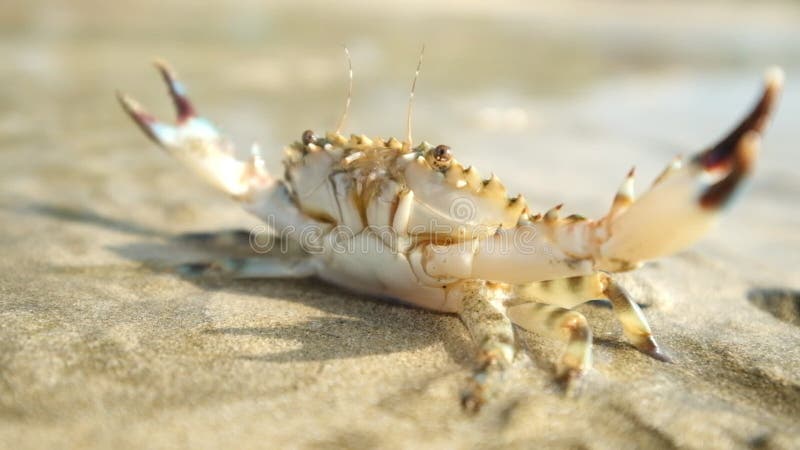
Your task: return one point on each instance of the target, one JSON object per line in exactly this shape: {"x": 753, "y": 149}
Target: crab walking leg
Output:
{"x": 483, "y": 314}
{"x": 564, "y": 292}
{"x": 570, "y": 292}
{"x": 565, "y": 324}
{"x": 242, "y": 268}
{"x": 634, "y": 324}
{"x": 196, "y": 142}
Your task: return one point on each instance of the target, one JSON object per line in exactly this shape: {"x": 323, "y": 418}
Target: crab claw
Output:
{"x": 195, "y": 141}
{"x": 686, "y": 199}
{"x": 160, "y": 132}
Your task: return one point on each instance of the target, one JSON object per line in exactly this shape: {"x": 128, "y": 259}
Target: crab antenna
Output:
{"x": 343, "y": 119}
{"x": 411, "y": 98}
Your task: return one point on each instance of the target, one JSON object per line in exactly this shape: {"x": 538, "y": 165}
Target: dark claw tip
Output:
{"x": 720, "y": 193}
{"x": 142, "y": 118}
{"x": 756, "y": 121}
{"x": 177, "y": 91}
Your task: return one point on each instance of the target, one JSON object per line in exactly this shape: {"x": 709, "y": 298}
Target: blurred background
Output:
{"x": 559, "y": 99}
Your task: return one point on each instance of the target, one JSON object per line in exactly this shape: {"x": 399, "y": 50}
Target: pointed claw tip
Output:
{"x": 163, "y": 66}
{"x": 177, "y": 91}
{"x": 165, "y": 70}
{"x": 134, "y": 109}
{"x": 126, "y": 101}
{"x": 625, "y": 193}
{"x": 142, "y": 118}
{"x": 723, "y": 152}
{"x": 774, "y": 77}
{"x": 122, "y": 98}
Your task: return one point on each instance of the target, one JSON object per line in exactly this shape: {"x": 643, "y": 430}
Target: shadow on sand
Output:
{"x": 352, "y": 326}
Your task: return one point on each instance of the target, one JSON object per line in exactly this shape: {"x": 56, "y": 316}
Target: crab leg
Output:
{"x": 570, "y": 292}
{"x": 489, "y": 327}
{"x": 196, "y": 142}
{"x": 634, "y": 324}
{"x": 565, "y": 324}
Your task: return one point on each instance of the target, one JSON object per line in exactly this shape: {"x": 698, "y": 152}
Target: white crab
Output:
{"x": 412, "y": 224}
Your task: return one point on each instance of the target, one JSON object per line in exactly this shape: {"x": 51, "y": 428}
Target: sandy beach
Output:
{"x": 104, "y": 345}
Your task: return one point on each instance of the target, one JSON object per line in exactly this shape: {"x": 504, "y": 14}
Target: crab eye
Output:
{"x": 308, "y": 137}
{"x": 441, "y": 157}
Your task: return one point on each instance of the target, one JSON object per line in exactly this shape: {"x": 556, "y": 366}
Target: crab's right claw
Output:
{"x": 187, "y": 122}
{"x": 196, "y": 142}
{"x": 685, "y": 200}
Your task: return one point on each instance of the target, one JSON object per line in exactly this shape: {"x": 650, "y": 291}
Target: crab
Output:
{"x": 410, "y": 223}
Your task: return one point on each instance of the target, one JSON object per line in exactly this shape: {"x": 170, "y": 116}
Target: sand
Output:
{"x": 103, "y": 345}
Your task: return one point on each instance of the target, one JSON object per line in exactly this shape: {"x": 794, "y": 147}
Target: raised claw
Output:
{"x": 685, "y": 200}
{"x": 196, "y": 142}
{"x": 161, "y": 133}
{"x": 187, "y": 125}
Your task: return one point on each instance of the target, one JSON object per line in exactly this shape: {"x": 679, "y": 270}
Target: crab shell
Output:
{"x": 387, "y": 202}
{"x": 364, "y": 182}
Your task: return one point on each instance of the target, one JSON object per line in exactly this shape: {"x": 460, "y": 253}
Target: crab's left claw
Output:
{"x": 685, "y": 200}
{"x": 196, "y": 142}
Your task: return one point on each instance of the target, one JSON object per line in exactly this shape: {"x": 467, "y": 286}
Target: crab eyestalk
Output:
{"x": 686, "y": 199}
